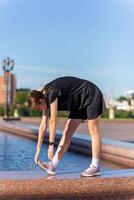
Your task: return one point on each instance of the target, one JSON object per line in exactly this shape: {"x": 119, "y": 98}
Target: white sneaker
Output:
{"x": 91, "y": 171}
{"x": 47, "y": 166}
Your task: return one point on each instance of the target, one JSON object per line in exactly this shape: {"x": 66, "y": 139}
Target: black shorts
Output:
{"x": 91, "y": 111}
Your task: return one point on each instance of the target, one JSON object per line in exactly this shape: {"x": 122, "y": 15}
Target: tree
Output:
{"x": 21, "y": 96}
{"x": 122, "y": 98}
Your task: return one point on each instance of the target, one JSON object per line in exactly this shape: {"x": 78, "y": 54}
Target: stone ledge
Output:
{"x": 86, "y": 188}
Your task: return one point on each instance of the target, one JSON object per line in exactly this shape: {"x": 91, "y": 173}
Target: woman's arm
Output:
{"x": 41, "y": 133}
{"x": 53, "y": 120}
{"x": 42, "y": 130}
{"x": 52, "y": 127}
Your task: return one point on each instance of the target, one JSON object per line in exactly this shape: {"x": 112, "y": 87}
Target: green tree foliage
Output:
{"x": 63, "y": 113}
{"x": 1, "y": 110}
{"x": 124, "y": 114}
{"x": 122, "y": 98}
{"x": 33, "y": 113}
{"x": 105, "y": 114}
{"x": 23, "y": 110}
{"x": 21, "y": 96}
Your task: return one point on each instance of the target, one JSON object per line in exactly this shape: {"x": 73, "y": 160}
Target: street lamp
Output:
{"x": 7, "y": 66}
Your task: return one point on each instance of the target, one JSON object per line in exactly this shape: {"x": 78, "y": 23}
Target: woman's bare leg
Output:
{"x": 93, "y": 170}
{"x": 69, "y": 130}
{"x": 93, "y": 127}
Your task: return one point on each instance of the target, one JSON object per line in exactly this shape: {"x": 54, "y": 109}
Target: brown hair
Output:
{"x": 34, "y": 97}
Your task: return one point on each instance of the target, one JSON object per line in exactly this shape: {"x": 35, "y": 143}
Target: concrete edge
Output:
{"x": 86, "y": 188}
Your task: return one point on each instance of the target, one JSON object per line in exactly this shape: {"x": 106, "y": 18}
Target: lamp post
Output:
{"x": 7, "y": 66}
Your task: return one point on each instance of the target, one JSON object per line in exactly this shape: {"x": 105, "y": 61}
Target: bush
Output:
{"x": 21, "y": 96}
{"x": 33, "y": 113}
{"x": 105, "y": 114}
{"x": 23, "y": 111}
{"x": 1, "y": 110}
{"x": 119, "y": 114}
{"x": 63, "y": 113}
{"x": 123, "y": 114}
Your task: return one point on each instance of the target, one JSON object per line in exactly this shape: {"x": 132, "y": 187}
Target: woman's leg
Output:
{"x": 93, "y": 127}
{"x": 69, "y": 130}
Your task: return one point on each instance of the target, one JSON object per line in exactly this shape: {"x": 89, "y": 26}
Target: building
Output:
{"x": 125, "y": 105}
{"x": 9, "y": 78}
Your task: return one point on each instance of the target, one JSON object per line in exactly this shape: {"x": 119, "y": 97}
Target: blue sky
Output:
{"x": 91, "y": 39}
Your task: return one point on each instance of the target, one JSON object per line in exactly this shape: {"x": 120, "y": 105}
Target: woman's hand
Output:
{"x": 50, "y": 152}
{"x": 36, "y": 158}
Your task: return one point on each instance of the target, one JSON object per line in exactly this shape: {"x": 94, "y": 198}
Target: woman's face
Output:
{"x": 42, "y": 106}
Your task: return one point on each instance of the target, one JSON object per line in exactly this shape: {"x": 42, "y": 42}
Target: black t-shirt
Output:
{"x": 72, "y": 93}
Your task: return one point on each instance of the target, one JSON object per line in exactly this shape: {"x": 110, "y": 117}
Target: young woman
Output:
{"x": 85, "y": 101}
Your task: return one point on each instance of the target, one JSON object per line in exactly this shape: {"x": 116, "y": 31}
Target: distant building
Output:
{"x": 125, "y": 105}
{"x": 11, "y": 88}
{"x": 129, "y": 93}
